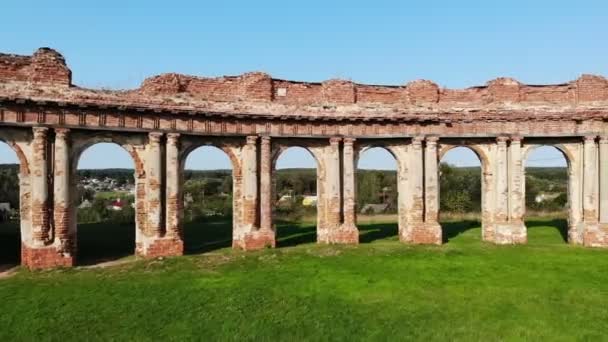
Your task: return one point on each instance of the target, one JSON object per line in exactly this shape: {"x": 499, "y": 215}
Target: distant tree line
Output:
{"x": 209, "y": 193}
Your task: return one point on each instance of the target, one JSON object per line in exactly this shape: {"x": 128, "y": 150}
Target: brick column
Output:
{"x": 154, "y": 171}
{"x": 349, "y": 185}
{"x": 502, "y": 181}
{"x": 248, "y": 235}
{"x": 590, "y": 180}
{"x": 507, "y": 226}
{"x": 64, "y": 238}
{"x": 603, "y": 170}
{"x": 594, "y": 233}
{"x": 152, "y": 240}
{"x": 172, "y": 189}
{"x": 173, "y": 195}
{"x": 38, "y": 250}
{"x": 431, "y": 182}
{"x": 265, "y": 185}
{"x": 40, "y": 188}
{"x": 423, "y": 189}
{"x": 517, "y": 201}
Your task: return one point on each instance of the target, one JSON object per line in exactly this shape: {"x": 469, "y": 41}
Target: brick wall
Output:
{"x": 45, "y": 66}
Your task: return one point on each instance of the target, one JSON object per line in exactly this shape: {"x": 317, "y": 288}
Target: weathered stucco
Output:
{"x": 49, "y": 122}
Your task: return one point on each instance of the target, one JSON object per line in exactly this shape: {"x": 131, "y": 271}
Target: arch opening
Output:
{"x": 295, "y": 191}
{"x": 377, "y": 194}
{"x": 460, "y": 193}
{"x": 208, "y": 199}
{"x": 10, "y": 230}
{"x": 547, "y": 199}
{"x": 103, "y": 197}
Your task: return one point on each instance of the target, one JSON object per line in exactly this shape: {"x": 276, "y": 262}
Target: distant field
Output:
{"x": 380, "y": 290}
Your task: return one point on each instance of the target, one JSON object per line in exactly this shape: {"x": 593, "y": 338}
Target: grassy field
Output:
{"x": 379, "y": 290}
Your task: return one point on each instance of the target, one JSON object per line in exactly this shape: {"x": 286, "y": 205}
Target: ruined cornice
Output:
{"x": 43, "y": 79}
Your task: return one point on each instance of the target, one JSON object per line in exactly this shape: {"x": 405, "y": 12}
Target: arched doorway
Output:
{"x": 10, "y": 232}
{"x": 546, "y": 189}
{"x": 295, "y": 190}
{"x": 104, "y": 199}
{"x": 208, "y": 199}
{"x": 377, "y": 195}
{"x": 460, "y": 193}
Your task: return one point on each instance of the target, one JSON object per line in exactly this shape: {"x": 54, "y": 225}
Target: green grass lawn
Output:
{"x": 379, "y": 290}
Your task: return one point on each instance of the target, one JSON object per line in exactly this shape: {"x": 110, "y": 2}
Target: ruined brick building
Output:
{"x": 49, "y": 122}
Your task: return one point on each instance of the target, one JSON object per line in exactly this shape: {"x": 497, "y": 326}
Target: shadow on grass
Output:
{"x": 103, "y": 241}
{"x": 370, "y": 232}
{"x": 207, "y": 234}
{"x": 290, "y": 233}
{"x": 559, "y": 224}
{"x": 452, "y": 229}
{"x": 10, "y": 246}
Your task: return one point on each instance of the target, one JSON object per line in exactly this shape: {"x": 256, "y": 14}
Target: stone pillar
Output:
{"x": 265, "y": 184}
{"x": 423, "y": 187}
{"x": 517, "y": 203}
{"x": 334, "y": 231}
{"x": 154, "y": 174}
{"x": 247, "y": 235}
{"x": 502, "y": 181}
{"x": 38, "y": 249}
{"x": 590, "y": 181}
{"x": 349, "y": 185}
{"x": 603, "y": 170}
{"x": 508, "y": 226}
{"x": 431, "y": 182}
{"x": 173, "y": 197}
{"x": 64, "y": 237}
{"x": 594, "y": 233}
{"x": 40, "y": 188}
{"x": 152, "y": 240}
{"x": 416, "y": 181}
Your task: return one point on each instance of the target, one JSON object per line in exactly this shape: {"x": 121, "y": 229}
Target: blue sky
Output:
{"x": 116, "y": 44}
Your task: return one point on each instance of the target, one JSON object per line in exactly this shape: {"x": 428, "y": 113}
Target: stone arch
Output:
{"x": 359, "y": 150}
{"x": 315, "y": 149}
{"x": 224, "y": 147}
{"x": 232, "y": 148}
{"x": 81, "y": 144}
{"x": 24, "y": 166}
{"x": 481, "y": 150}
{"x": 568, "y": 150}
{"x": 444, "y": 148}
{"x": 134, "y": 145}
{"x": 11, "y": 247}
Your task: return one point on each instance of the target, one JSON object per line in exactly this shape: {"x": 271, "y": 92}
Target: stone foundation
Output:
{"x": 348, "y": 235}
{"x": 44, "y": 257}
{"x": 595, "y": 235}
{"x": 423, "y": 234}
{"x": 163, "y": 247}
{"x": 260, "y": 239}
{"x": 507, "y": 234}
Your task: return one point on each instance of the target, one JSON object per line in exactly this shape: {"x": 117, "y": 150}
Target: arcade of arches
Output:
{"x": 48, "y": 122}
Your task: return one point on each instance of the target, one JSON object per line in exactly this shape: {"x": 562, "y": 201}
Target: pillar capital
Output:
{"x": 155, "y": 137}
{"x": 432, "y": 139}
{"x": 589, "y": 138}
{"x": 62, "y": 132}
{"x": 40, "y": 132}
{"x": 251, "y": 139}
{"x": 349, "y": 141}
{"x": 173, "y": 136}
{"x": 335, "y": 140}
{"x": 502, "y": 139}
{"x": 265, "y": 139}
{"x": 417, "y": 140}
{"x": 516, "y": 139}
{"x": 603, "y": 139}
